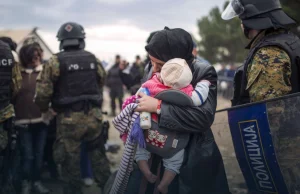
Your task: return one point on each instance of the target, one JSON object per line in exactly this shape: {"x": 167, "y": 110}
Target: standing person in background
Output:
{"x": 127, "y": 79}
{"x": 137, "y": 73}
{"x": 231, "y": 71}
{"x": 125, "y": 63}
{"x": 72, "y": 82}
{"x": 223, "y": 71}
{"x": 195, "y": 53}
{"x": 115, "y": 85}
{"x": 33, "y": 132}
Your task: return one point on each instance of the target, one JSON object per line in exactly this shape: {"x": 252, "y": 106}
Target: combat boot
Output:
{"x": 40, "y": 188}
{"x": 26, "y": 187}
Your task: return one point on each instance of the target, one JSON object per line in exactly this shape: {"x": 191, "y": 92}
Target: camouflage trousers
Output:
{"x": 3, "y": 138}
{"x": 72, "y": 130}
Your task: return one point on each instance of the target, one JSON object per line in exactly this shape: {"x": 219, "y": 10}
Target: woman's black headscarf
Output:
{"x": 171, "y": 43}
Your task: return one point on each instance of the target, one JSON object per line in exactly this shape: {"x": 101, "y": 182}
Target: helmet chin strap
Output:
{"x": 247, "y": 32}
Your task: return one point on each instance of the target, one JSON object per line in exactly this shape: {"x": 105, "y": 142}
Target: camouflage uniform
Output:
{"x": 9, "y": 111}
{"x": 268, "y": 76}
{"x": 72, "y": 129}
{"x": 269, "y": 73}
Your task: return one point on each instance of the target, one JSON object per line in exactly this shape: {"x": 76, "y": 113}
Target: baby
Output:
{"x": 175, "y": 74}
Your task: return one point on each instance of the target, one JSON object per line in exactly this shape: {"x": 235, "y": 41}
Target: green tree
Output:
{"x": 292, "y": 8}
{"x": 221, "y": 41}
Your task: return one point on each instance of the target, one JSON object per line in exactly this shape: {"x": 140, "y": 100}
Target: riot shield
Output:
{"x": 260, "y": 145}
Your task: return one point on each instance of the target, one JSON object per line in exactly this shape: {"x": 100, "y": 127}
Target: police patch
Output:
{"x": 68, "y": 28}
{"x": 92, "y": 66}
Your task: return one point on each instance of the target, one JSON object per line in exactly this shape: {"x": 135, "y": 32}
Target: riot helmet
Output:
{"x": 258, "y": 14}
{"x": 6, "y": 56}
{"x": 71, "y": 34}
{"x": 12, "y": 44}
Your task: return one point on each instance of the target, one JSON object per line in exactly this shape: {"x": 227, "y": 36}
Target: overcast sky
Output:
{"x": 112, "y": 26}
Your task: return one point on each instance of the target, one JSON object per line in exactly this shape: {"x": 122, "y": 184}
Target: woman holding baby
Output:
{"x": 198, "y": 168}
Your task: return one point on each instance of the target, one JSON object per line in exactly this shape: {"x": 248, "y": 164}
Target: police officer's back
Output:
{"x": 72, "y": 82}
{"x": 10, "y": 84}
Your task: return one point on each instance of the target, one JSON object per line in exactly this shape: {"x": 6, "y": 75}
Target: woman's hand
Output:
{"x": 146, "y": 103}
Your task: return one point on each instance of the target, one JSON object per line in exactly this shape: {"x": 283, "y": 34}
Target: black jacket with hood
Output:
{"x": 202, "y": 170}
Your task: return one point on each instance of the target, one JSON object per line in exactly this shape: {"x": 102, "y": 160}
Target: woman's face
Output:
{"x": 156, "y": 64}
{"x": 36, "y": 60}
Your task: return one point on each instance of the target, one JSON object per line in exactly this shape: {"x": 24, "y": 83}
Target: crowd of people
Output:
{"x": 225, "y": 81}
{"x": 115, "y": 84}
{"x": 61, "y": 101}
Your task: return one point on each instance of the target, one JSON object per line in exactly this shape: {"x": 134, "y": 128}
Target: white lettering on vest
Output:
{"x": 74, "y": 67}
{"x": 6, "y": 62}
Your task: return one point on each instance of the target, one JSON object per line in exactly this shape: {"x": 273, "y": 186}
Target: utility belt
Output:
{"x": 80, "y": 106}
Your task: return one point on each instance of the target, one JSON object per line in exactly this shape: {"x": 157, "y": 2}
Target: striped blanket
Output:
{"x": 123, "y": 123}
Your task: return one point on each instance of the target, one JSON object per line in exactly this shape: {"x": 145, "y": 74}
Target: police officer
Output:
{"x": 10, "y": 84}
{"x": 72, "y": 82}
{"x": 13, "y": 46}
{"x": 270, "y": 70}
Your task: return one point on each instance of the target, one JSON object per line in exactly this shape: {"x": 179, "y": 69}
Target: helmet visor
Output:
{"x": 234, "y": 8}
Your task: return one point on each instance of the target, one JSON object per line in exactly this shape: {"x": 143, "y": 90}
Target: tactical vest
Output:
{"x": 6, "y": 66}
{"x": 78, "y": 83}
{"x": 288, "y": 42}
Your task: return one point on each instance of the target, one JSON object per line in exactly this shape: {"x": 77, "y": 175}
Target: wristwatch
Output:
{"x": 158, "y": 109}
